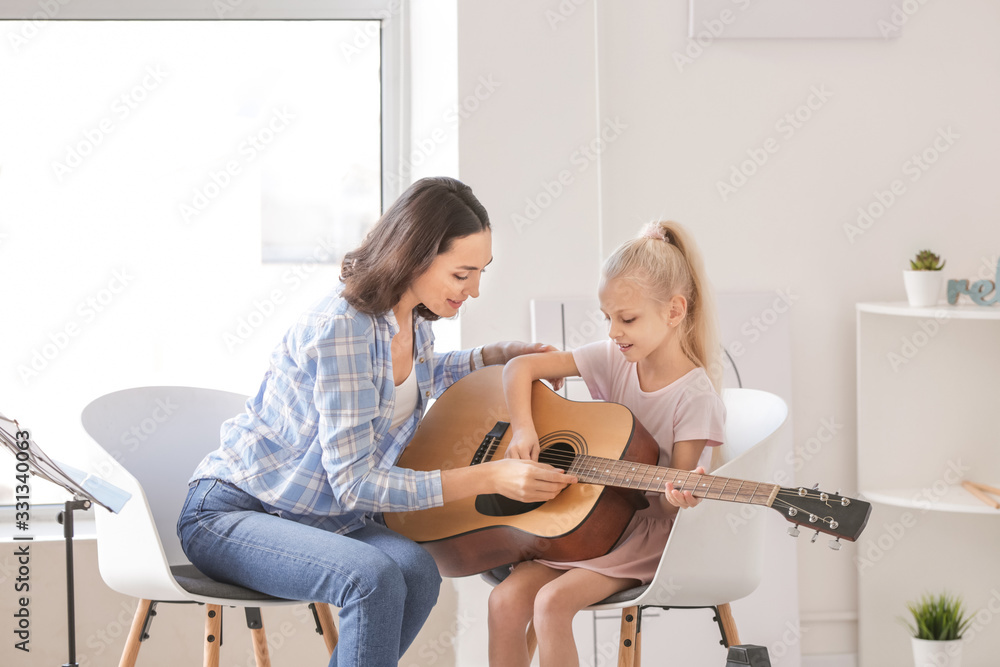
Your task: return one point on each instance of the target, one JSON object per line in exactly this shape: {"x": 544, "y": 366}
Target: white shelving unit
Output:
{"x": 953, "y": 499}
{"x": 928, "y": 385}
{"x": 960, "y": 312}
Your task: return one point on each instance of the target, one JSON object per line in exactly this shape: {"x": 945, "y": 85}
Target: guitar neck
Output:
{"x": 609, "y": 472}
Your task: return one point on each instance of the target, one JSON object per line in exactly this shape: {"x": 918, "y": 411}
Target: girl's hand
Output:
{"x": 524, "y": 445}
{"x": 682, "y": 499}
{"x": 528, "y": 481}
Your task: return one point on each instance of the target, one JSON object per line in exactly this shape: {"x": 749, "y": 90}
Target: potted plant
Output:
{"x": 936, "y": 630}
{"x": 923, "y": 279}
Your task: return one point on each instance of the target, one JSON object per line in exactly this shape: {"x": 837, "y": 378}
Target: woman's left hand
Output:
{"x": 682, "y": 499}
{"x": 501, "y": 353}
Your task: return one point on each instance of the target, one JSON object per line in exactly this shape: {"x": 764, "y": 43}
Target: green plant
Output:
{"x": 926, "y": 261}
{"x": 940, "y": 618}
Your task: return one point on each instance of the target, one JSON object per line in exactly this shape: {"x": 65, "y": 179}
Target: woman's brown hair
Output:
{"x": 420, "y": 225}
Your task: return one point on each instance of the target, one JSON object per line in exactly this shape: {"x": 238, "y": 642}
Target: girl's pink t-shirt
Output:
{"x": 686, "y": 409}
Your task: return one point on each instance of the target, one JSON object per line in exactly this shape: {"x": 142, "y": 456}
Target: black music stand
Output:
{"x": 86, "y": 489}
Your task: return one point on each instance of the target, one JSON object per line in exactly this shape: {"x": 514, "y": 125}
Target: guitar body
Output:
{"x": 476, "y": 534}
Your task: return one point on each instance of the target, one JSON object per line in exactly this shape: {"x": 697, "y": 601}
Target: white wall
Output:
{"x": 784, "y": 229}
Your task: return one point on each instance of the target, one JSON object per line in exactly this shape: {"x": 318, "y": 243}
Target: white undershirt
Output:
{"x": 406, "y": 399}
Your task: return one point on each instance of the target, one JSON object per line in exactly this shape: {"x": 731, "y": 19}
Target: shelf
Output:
{"x": 963, "y": 311}
{"x": 954, "y": 499}
{"x": 927, "y": 398}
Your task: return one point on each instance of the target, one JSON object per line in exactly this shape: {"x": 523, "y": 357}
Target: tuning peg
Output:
{"x": 814, "y": 537}
{"x": 835, "y": 544}
{"x": 793, "y": 531}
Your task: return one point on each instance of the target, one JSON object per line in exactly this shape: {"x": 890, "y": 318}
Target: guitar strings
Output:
{"x": 687, "y": 475}
{"x": 779, "y": 502}
{"x": 642, "y": 470}
{"x": 682, "y": 479}
{"x": 810, "y": 494}
{"x": 570, "y": 458}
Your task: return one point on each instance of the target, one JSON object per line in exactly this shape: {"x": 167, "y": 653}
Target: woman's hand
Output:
{"x": 524, "y": 445}
{"x": 682, "y": 499}
{"x": 501, "y": 353}
{"x": 528, "y": 481}
{"x": 504, "y": 351}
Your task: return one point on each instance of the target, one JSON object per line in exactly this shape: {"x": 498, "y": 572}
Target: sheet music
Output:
{"x": 77, "y": 482}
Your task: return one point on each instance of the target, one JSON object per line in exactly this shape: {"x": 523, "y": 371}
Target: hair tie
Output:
{"x": 656, "y": 231}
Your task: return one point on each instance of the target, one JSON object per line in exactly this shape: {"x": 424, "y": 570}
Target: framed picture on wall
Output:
{"x": 739, "y": 19}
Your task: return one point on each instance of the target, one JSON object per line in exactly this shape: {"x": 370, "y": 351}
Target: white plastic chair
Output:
{"x": 706, "y": 564}
{"x": 155, "y": 437}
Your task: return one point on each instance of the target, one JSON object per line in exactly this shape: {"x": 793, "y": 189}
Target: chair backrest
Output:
{"x": 154, "y": 438}
{"x": 715, "y": 553}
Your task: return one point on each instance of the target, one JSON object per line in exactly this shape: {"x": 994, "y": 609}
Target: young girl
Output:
{"x": 657, "y": 363}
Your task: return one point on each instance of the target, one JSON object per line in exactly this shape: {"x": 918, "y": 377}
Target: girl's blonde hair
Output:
{"x": 664, "y": 261}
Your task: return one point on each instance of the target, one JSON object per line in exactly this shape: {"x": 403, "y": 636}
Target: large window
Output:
{"x": 172, "y": 194}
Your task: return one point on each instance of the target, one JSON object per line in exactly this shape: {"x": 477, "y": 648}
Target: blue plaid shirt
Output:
{"x": 314, "y": 445}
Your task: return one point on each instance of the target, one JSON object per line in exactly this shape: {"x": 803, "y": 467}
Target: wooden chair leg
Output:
{"x": 532, "y": 640}
{"x": 729, "y": 625}
{"x": 325, "y": 617}
{"x": 629, "y": 653}
{"x": 213, "y": 634}
{"x": 132, "y": 644}
{"x": 260, "y": 654}
{"x": 255, "y": 622}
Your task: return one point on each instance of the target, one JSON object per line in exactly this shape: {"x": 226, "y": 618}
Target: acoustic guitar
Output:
{"x": 603, "y": 445}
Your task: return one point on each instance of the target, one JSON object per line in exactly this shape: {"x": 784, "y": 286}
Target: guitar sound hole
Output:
{"x": 559, "y": 455}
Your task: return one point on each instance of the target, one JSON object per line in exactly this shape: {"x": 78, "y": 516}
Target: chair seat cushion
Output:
{"x": 496, "y": 575}
{"x": 193, "y": 581}
{"x": 625, "y": 595}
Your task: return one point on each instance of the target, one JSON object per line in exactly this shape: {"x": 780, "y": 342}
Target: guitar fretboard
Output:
{"x": 598, "y": 470}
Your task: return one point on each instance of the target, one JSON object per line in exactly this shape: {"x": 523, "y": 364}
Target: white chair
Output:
{"x": 706, "y": 564}
{"x": 155, "y": 437}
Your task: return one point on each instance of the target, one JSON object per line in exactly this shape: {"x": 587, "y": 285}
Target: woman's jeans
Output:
{"x": 384, "y": 584}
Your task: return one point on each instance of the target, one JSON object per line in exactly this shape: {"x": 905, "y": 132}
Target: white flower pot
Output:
{"x": 922, "y": 287}
{"x": 929, "y": 653}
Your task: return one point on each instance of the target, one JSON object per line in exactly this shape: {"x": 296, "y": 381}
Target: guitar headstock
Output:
{"x": 828, "y": 513}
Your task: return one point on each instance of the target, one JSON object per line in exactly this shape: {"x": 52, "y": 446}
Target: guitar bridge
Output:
{"x": 488, "y": 447}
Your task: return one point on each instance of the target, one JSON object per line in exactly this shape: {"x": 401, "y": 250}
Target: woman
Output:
{"x": 290, "y": 504}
